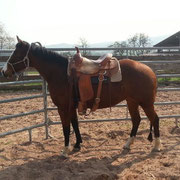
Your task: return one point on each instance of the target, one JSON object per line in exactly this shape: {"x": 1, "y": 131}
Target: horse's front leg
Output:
{"x": 75, "y": 125}
{"x": 66, "y": 130}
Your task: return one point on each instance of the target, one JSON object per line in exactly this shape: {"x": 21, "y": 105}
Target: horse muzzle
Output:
{"x": 2, "y": 73}
{"x": 5, "y": 74}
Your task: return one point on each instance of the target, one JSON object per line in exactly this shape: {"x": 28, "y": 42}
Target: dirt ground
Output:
{"x": 101, "y": 157}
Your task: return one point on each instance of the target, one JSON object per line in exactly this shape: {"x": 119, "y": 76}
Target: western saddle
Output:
{"x": 85, "y": 68}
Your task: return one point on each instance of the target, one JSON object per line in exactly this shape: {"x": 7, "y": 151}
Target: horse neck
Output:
{"x": 48, "y": 70}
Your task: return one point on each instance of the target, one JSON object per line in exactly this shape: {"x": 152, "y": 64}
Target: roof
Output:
{"x": 173, "y": 40}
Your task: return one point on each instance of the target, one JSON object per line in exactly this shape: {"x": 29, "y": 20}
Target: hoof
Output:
{"x": 157, "y": 145}
{"x": 130, "y": 141}
{"x": 63, "y": 157}
{"x": 156, "y": 150}
{"x": 65, "y": 152}
{"x": 126, "y": 148}
{"x": 77, "y": 148}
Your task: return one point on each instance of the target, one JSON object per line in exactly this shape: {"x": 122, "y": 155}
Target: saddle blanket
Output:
{"x": 117, "y": 77}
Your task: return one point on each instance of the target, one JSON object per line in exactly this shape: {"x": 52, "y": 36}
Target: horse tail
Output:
{"x": 150, "y": 137}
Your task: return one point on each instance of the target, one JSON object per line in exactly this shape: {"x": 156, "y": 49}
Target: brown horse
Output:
{"x": 138, "y": 88}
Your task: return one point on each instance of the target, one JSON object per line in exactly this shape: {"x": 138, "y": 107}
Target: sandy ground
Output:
{"x": 101, "y": 156}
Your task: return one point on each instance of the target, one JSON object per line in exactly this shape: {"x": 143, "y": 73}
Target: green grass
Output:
{"x": 33, "y": 84}
{"x": 32, "y": 73}
{"x": 170, "y": 79}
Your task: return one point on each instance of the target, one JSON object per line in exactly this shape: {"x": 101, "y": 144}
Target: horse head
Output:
{"x": 18, "y": 61}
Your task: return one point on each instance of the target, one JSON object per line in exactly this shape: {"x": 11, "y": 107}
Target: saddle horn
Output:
{"x": 77, "y": 49}
{"x": 77, "y": 57}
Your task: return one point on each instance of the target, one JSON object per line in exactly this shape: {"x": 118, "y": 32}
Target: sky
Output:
{"x": 66, "y": 21}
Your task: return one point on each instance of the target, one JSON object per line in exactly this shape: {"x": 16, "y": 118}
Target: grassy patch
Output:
{"x": 32, "y": 73}
{"x": 169, "y": 79}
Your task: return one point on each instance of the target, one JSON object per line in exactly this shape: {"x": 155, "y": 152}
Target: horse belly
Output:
{"x": 110, "y": 95}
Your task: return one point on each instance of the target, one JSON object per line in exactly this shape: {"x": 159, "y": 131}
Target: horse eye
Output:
{"x": 17, "y": 54}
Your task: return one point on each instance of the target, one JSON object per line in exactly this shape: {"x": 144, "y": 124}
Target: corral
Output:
{"x": 102, "y": 155}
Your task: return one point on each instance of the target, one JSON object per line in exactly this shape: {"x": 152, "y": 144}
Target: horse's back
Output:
{"x": 139, "y": 80}
{"x": 130, "y": 68}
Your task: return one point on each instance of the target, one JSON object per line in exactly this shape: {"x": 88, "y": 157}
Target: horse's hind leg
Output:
{"x": 154, "y": 119}
{"x": 135, "y": 117}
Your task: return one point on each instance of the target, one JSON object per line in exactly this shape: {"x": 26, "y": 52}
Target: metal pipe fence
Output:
{"x": 45, "y": 94}
{"x": 7, "y": 52}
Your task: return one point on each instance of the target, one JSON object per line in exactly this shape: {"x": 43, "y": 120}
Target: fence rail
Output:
{"x": 6, "y": 51}
{"x": 44, "y": 94}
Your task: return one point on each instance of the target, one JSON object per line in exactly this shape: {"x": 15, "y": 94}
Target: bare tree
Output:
{"x": 83, "y": 44}
{"x": 6, "y": 41}
{"x": 138, "y": 40}
{"x": 119, "y": 52}
{"x": 2, "y": 36}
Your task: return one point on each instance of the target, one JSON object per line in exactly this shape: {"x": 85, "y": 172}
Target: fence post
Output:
{"x": 176, "y": 122}
{"x": 127, "y": 112}
{"x": 30, "y": 135}
{"x": 127, "y": 53}
{"x": 46, "y": 120}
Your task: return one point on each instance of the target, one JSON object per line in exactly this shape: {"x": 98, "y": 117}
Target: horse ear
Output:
{"x": 18, "y": 39}
{"x": 77, "y": 49}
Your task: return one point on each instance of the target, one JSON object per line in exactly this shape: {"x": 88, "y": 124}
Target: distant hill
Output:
{"x": 65, "y": 45}
{"x": 154, "y": 40}
{"x": 62, "y": 45}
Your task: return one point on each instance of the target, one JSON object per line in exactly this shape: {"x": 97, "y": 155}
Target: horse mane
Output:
{"x": 48, "y": 55}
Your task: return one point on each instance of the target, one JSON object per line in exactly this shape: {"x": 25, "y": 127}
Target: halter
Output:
{"x": 22, "y": 61}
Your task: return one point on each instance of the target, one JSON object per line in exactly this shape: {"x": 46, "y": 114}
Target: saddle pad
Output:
{"x": 117, "y": 77}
